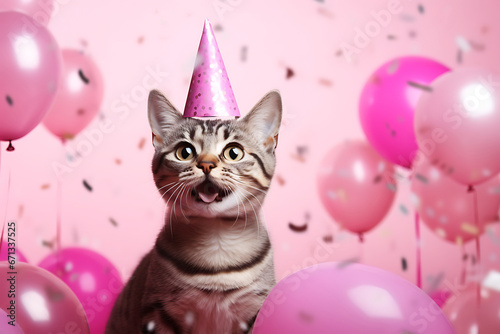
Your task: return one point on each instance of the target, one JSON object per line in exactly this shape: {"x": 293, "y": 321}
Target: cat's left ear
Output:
{"x": 264, "y": 119}
{"x": 162, "y": 116}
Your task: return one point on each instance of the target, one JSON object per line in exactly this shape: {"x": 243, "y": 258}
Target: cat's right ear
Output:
{"x": 162, "y": 116}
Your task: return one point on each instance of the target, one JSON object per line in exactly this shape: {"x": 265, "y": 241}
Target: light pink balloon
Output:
{"x": 467, "y": 318}
{"x": 387, "y": 105}
{"x": 6, "y": 328}
{"x": 349, "y": 298}
{"x": 446, "y": 206}
{"x": 78, "y": 98}
{"x": 457, "y": 125}
{"x": 43, "y": 303}
{"x": 39, "y": 10}
{"x": 356, "y": 186}
{"x": 93, "y": 279}
{"x": 30, "y": 67}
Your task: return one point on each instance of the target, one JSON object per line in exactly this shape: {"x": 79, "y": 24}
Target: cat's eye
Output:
{"x": 233, "y": 153}
{"x": 184, "y": 152}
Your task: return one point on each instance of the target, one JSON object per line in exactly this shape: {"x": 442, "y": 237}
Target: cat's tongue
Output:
{"x": 208, "y": 193}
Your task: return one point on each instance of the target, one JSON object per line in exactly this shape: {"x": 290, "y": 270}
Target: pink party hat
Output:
{"x": 210, "y": 93}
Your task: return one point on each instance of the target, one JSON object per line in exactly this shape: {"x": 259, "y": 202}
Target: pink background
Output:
{"x": 127, "y": 37}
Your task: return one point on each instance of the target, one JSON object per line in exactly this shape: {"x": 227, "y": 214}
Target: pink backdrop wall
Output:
{"x": 130, "y": 39}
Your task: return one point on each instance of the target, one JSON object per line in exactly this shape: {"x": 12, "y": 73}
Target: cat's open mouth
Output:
{"x": 208, "y": 192}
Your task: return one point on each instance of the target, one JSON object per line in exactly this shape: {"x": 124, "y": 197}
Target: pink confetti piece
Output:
{"x": 466, "y": 227}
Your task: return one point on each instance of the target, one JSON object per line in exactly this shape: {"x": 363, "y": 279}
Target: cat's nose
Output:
{"x": 207, "y": 163}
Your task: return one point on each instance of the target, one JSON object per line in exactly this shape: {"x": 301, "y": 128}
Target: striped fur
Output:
{"x": 212, "y": 264}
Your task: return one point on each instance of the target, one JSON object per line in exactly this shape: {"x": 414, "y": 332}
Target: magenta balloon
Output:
{"x": 93, "y": 279}
{"x": 4, "y": 253}
{"x": 387, "y": 106}
{"x": 30, "y": 66}
{"x": 457, "y": 125}
{"x": 446, "y": 206}
{"x": 348, "y": 298}
{"x": 78, "y": 98}
{"x": 39, "y": 10}
{"x": 467, "y": 318}
{"x": 43, "y": 303}
{"x": 6, "y": 328}
{"x": 356, "y": 186}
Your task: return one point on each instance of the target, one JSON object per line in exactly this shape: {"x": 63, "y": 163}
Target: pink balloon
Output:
{"x": 39, "y": 10}
{"x": 446, "y": 206}
{"x": 6, "y": 328}
{"x": 387, "y": 106}
{"x": 457, "y": 125}
{"x": 78, "y": 98}
{"x": 348, "y": 298}
{"x": 4, "y": 253}
{"x": 93, "y": 279}
{"x": 30, "y": 65}
{"x": 43, "y": 303}
{"x": 356, "y": 186}
{"x": 467, "y": 318}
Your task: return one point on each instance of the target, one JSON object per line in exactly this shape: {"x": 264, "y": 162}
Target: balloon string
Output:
{"x": 418, "y": 250}
{"x": 478, "y": 246}
{"x": 464, "y": 266}
{"x": 361, "y": 247}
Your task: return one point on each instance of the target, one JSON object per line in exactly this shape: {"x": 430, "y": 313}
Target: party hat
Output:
{"x": 210, "y": 93}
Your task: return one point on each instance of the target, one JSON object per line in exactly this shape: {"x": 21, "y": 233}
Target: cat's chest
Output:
{"x": 228, "y": 311}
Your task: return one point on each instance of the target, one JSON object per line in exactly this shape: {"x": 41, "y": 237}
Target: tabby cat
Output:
{"x": 212, "y": 264}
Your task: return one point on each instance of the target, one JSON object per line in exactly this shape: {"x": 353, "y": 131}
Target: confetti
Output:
{"x": 218, "y": 27}
{"x": 296, "y": 228}
{"x": 412, "y": 33}
{"x": 407, "y": 17}
{"x": 113, "y": 222}
{"x": 493, "y": 237}
{"x": 141, "y": 143}
{"x": 377, "y": 179}
{"x": 393, "y": 67}
{"x": 346, "y": 263}
{"x": 83, "y": 77}
{"x": 404, "y": 264}
{"x": 459, "y": 56}
{"x": 391, "y": 186}
{"x": 325, "y": 82}
{"x": 289, "y": 73}
{"x": 325, "y": 12}
{"x": 466, "y": 227}
{"x": 301, "y": 150}
{"x": 118, "y": 161}
{"x": 339, "y": 53}
{"x": 244, "y": 53}
{"x": 403, "y": 209}
{"x": 420, "y": 86}
{"x": 421, "y": 178}
{"x": 140, "y": 40}
{"x": 87, "y": 185}
{"x": 48, "y": 244}
{"x": 463, "y": 44}
{"x": 328, "y": 238}
{"x": 9, "y": 100}
{"x": 45, "y": 186}
{"x": 280, "y": 179}
{"x": 421, "y": 9}
{"x": 306, "y": 317}
{"x": 81, "y": 112}
{"x": 391, "y": 37}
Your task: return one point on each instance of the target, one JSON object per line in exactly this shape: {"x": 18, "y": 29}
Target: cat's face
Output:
{"x": 209, "y": 167}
